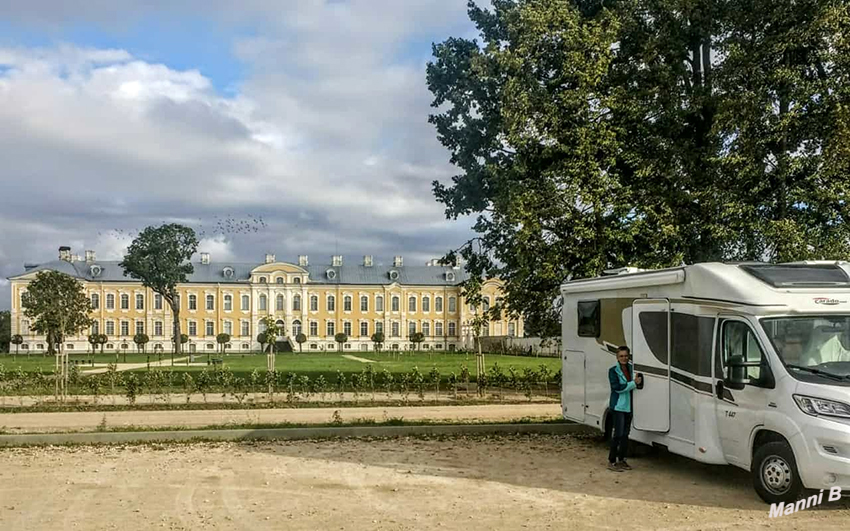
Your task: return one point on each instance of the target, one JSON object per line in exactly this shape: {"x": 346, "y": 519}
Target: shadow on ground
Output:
{"x": 574, "y": 464}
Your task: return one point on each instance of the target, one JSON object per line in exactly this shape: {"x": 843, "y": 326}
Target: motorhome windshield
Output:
{"x": 818, "y": 345}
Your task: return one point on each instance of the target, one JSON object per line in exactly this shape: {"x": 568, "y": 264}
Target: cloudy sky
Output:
{"x": 312, "y": 114}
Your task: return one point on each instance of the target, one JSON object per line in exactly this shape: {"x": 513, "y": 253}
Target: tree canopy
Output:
{"x": 57, "y": 305}
{"x": 597, "y": 134}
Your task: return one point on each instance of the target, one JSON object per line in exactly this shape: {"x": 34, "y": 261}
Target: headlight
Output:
{"x": 820, "y": 406}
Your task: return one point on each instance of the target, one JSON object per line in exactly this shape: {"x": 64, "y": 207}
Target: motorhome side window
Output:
{"x": 740, "y": 345}
{"x": 588, "y": 318}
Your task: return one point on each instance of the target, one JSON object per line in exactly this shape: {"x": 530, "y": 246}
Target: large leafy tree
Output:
{"x": 595, "y": 134}
{"x": 160, "y": 258}
{"x": 57, "y": 305}
{"x": 5, "y": 330}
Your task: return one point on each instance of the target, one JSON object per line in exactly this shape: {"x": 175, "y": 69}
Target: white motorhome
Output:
{"x": 743, "y": 363}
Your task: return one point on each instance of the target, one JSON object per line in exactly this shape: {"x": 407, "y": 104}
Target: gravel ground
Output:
{"x": 518, "y": 482}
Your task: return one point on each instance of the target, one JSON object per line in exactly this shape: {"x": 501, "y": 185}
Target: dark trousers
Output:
{"x": 622, "y": 425}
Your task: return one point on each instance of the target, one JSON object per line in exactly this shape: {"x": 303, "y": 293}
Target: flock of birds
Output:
{"x": 231, "y": 225}
{"x": 221, "y": 226}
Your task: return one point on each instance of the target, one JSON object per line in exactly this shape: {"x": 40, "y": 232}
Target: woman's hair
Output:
{"x": 624, "y": 348}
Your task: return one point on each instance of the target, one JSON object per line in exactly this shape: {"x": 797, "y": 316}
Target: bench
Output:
{"x": 81, "y": 362}
{"x": 216, "y": 361}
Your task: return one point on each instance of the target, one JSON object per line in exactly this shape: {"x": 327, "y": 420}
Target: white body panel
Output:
{"x": 693, "y": 421}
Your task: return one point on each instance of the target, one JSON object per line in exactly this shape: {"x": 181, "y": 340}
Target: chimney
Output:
{"x": 205, "y": 258}
{"x": 367, "y": 260}
{"x": 269, "y": 258}
{"x": 398, "y": 261}
{"x": 337, "y": 260}
{"x": 65, "y": 253}
{"x": 302, "y": 260}
{"x": 90, "y": 257}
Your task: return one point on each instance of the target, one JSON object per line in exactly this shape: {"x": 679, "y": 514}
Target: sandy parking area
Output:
{"x": 519, "y": 482}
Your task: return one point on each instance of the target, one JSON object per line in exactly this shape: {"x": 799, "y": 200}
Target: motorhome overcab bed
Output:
{"x": 745, "y": 364}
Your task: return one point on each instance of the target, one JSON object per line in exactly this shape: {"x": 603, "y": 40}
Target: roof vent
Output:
{"x": 95, "y": 270}
{"x": 227, "y": 272}
{"x": 302, "y": 260}
{"x": 398, "y": 261}
{"x": 269, "y": 258}
{"x": 393, "y": 275}
{"x": 336, "y": 261}
{"x": 205, "y": 258}
{"x": 450, "y": 276}
{"x": 331, "y": 274}
{"x": 367, "y": 261}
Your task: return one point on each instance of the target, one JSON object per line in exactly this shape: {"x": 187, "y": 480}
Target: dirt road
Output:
{"x": 92, "y": 421}
{"x": 542, "y": 482}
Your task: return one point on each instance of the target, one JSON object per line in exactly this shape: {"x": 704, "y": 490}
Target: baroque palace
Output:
{"x": 319, "y": 300}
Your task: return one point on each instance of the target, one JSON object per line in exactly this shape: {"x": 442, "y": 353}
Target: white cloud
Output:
{"x": 326, "y": 136}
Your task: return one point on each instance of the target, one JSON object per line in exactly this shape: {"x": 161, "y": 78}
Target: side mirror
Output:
{"x": 737, "y": 375}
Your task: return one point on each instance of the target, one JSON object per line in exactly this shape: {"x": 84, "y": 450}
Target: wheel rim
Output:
{"x": 776, "y": 475}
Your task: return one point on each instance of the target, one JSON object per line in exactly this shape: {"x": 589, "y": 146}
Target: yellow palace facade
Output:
{"x": 318, "y": 300}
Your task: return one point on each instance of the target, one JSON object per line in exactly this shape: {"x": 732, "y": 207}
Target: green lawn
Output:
{"x": 310, "y": 364}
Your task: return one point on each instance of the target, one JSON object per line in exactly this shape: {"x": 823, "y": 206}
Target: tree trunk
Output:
{"x": 175, "y": 310}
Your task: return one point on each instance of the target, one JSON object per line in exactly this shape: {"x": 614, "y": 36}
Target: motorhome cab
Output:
{"x": 746, "y": 364}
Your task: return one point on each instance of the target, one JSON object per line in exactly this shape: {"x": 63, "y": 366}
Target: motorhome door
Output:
{"x": 650, "y": 352}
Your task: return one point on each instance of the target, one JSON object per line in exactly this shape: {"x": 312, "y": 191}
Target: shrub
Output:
{"x": 434, "y": 377}
{"x": 188, "y": 385}
{"x": 131, "y": 387}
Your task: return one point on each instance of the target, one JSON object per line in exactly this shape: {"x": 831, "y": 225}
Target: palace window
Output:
{"x": 426, "y": 329}
{"x": 157, "y": 302}
{"x": 452, "y": 304}
{"x": 330, "y": 328}
{"x": 246, "y": 329}
{"x": 95, "y": 301}
{"x": 452, "y": 329}
{"x": 314, "y": 303}
{"x": 125, "y": 301}
{"x": 395, "y": 303}
{"x": 95, "y": 328}
{"x": 395, "y": 329}
{"x": 438, "y": 304}
{"x": 346, "y": 328}
{"x": 438, "y": 328}
{"x": 426, "y": 304}
{"x": 193, "y": 302}
{"x": 228, "y": 303}
{"x": 331, "y": 303}
{"x": 140, "y": 327}
{"x": 411, "y": 304}
{"x": 125, "y": 328}
{"x": 346, "y": 303}
{"x": 110, "y": 301}
{"x": 364, "y": 329}
{"x": 364, "y": 303}
{"x": 210, "y": 302}
{"x": 296, "y": 303}
{"x": 379, "y": 327}
{"x": 379, "y": 303}
{"x": 314, "y": 328}
{"x": 263, "y": 302}
{"x": 110, "y": 328}
{"x": 210, "y": 328}
{"x": 140, "y": 301}
{"x": 411, "y": 328}
{"x": 157, "y": 328}
{"x": 228, "y": 328}
{"x": 246, "y": 303}
{"x": 279, "y": 303}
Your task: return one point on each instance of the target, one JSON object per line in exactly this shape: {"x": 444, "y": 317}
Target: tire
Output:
{"x": 774, "y": 472}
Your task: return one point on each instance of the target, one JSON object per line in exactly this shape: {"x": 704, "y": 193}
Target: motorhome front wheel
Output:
{"x": 775, "y": 475}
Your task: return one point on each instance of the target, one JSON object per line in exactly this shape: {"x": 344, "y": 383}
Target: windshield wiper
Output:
{"x": 817, "y": 371}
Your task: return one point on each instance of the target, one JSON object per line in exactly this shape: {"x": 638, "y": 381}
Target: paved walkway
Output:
{"x": 130, "y": 366}
{"x": 355, "y": 358}
{"x": 92, "y": 421}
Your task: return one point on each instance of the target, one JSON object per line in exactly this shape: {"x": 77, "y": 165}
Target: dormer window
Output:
{"x": 227, "y": 272}
{"x": 331, "y": 274}
{"x": 279, "y": 280}
{"x": 95, "y": 270}
{"x": 393, "y": 275}
{"x": 450, "y": 276}
{"x": 262, "y": 280}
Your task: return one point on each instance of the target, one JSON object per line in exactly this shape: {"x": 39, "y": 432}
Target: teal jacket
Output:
{"x": 621, "y": 390}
